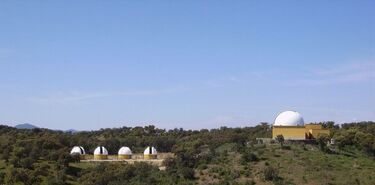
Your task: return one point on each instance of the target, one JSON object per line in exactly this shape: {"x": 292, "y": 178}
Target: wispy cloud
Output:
{"x": 358, "y": 72}
{"x": 72, "y": 96}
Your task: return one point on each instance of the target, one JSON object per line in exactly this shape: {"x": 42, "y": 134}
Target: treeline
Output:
{"x": 36, "y": 155}
{"x": 42, "y": 156}
{"x": 360, "y": 135}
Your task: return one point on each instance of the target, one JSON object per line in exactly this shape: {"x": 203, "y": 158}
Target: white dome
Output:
{"x": 150, "y": 151}
{"x": 100, "y": 150}
{"x": 289, "y": 118}
{"x": 125, "y": 151}
{"x": 78, "y": 150}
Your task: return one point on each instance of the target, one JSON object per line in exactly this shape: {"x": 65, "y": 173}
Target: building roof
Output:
{"x": 125, "y": 151}
{"x": 100, "y": 150}
{"x": 150, "y": 151}
{"x": 289, "y": 118}
{"x": 78, "y": 150}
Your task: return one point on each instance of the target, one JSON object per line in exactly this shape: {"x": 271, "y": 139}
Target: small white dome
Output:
{"x": 150, "y": 151}
{"x": 125, "y": 151}
{"x": 78, "y": 150}
{"x": 100, "y": 150}
{"x": 289, "y": 118}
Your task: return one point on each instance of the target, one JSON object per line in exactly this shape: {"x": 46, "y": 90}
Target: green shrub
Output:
{"x": 249, "y": 156}
{"x": 271, "y": 174}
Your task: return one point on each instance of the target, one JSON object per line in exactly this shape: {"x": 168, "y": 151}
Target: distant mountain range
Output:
{"x": 71, "y": 131}
{"x": 30, "y": 126}
{"x": 25, "y": 126}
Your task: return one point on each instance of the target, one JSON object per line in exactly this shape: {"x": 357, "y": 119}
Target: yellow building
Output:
{"x": 291, "y": 125}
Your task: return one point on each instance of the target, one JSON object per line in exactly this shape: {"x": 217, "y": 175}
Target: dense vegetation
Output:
{"x": 216, "y": 156}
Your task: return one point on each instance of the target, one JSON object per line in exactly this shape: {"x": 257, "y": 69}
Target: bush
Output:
{"x": 249, "y": 157}
{"x": 187, "y": 173}
{"x": 271, "y": 174}
{"x": 27, "y": 162}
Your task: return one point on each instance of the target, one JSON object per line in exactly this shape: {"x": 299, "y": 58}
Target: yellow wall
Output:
{"x": 313, "y": 126}
{"x": 123, "y": 156}
{"x": 149, "y": 156}
{"x": 289, "y": 132}
{"x": 309, "y": 131}
{"x": 100, "y": 157}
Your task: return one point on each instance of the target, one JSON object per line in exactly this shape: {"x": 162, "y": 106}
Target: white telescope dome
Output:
{"x": 78, "y": 150}
{"x": 125, "y": 151}
{"x": 289, "y": 118}
{"x": 100, "y": 150}
{"x": 150, "y": 151}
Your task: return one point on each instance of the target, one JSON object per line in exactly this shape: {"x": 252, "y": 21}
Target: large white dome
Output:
{"x": 125, "y": 151}
{"x": 100, "y": 150}
{"x": 289, "y": 118}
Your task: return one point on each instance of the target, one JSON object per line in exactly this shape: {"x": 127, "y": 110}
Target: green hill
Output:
{"x": 216, "y": 156}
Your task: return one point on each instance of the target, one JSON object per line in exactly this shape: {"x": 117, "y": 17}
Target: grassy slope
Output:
{"x": 312, "y": 166}
{"x": 296, "y": 166}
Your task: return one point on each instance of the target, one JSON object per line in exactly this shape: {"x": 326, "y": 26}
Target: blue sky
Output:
{"x": 190, "y": 64}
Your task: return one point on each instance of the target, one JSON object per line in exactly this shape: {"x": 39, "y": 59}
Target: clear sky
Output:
{"x": 191, "y": 64}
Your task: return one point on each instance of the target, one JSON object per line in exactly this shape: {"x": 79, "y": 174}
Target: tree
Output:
{"x": 280, "y": 139}
{"x": 329, "y": 124}
{"x": 322, "y": 140}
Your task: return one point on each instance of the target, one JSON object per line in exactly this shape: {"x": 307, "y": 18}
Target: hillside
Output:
{"x": 217, "y": 156}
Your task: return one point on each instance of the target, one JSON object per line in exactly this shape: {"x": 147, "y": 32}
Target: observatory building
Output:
{"x": 124, "y": 153}
{"x": 150, "y": 153}
{"x": 100, "y": 153}
{"x": 78, "y": 150}
{"x": 291, "y": 125}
